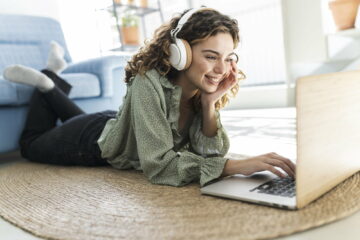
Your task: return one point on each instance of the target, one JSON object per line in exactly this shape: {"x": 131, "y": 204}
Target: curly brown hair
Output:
{"x": 200, "y": 26}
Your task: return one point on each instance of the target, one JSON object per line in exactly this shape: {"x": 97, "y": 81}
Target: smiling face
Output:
{"x": 211, "y": 62}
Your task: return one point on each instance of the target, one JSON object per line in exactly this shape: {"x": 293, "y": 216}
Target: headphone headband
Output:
{"x": 180, "y": 51}
{"x": 184, "y": 19}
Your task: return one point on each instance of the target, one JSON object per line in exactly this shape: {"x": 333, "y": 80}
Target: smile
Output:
{"x": 213, "y": 80}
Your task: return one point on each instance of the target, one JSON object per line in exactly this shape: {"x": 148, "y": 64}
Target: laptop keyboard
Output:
{"x": 284, "y": 187}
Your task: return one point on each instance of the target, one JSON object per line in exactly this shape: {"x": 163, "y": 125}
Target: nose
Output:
{"x": 220, "y": 67}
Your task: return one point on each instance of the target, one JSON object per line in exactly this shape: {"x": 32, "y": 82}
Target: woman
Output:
{"x": 169, "y": 124}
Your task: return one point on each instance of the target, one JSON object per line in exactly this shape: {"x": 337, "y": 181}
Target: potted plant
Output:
{"x": 344, "y": 13}
{"x": 130, "y": 28}
{"x": 144, "y": 3}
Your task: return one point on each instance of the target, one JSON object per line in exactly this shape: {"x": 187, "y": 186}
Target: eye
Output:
{"x": 211, "y": 57}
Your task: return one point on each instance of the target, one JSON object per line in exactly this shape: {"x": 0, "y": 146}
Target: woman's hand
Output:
{"x": 229, "y": 81}
{"x": 260, "y": 163}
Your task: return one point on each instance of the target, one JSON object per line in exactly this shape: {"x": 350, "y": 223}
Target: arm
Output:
{"x": 207, "y": 136}
{"x": 209, "y": 122}
{"x": 248, "y": 166}
{"x": 208, "y": 101}
{"x": 159, "y": 162}
{"x": 251, "y": 165}
{"x": 215, "y": 145}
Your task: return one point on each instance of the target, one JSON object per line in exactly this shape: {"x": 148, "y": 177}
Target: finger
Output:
{"x": 227, "y": 75}
{"x": 232, "y": 76}
{"x": 282, "y": 165}
{"x": 289, "y": 165}
{"x": 274, "y": 170}
{"x": 286, "y": 160}
{"x": 278, "y": 163}
{"x": 228, "y": 83}
{"x": 234, "y": 66}
{"x": 225, "y": 85}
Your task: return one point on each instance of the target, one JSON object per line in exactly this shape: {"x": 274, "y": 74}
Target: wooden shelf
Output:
{"x": 137, "y": 10}
{"x": 126, "y": 47}
{"x": 118, "y": 10}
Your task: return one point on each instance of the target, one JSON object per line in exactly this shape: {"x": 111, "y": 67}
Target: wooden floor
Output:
{"x": 251, "y": 132}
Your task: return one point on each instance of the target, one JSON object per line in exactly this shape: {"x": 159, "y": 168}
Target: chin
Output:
{"x": 208, "y": 89}
{"x": 209, "y": 86}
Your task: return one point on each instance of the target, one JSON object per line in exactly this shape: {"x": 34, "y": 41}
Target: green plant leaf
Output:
{"x": 129, "y": 19}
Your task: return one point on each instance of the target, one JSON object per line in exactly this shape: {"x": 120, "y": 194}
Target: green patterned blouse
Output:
{"x": 144, "y": 136}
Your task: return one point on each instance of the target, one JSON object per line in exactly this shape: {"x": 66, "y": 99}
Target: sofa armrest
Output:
{"x": 103, "y": 68}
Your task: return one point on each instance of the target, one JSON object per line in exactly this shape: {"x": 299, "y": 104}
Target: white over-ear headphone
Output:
{"x": 180, "y": 50}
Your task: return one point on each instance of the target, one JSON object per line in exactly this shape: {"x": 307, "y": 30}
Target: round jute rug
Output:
{"x": 57, "y": 202}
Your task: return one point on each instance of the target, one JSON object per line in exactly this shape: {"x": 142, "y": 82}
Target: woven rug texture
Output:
{"x": 104, "y": 203}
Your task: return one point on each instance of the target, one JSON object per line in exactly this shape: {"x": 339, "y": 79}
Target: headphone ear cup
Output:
{"x": 180, "y": 54}
{"x": 175, "y": 55}
{"x": 188, "y": 53}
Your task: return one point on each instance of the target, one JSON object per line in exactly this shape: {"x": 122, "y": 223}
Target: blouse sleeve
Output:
{"x": 159, "y": 162}
{"x": 217, "y": 145}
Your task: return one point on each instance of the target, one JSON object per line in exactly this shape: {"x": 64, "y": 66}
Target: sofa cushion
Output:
{"x": 85, "y": 85}
{"x": 25, "y": 53}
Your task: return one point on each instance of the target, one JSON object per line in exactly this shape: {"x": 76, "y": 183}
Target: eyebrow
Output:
{"x": 215, "y": 52}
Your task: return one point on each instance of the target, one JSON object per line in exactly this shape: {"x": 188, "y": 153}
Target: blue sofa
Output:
{"x": 97, "y": 83}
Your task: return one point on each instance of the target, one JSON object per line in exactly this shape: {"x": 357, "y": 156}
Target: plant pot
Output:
{"x": 144, "y": 3}
{"x": 130, "y": 35}
{"x": 344, "y": 13}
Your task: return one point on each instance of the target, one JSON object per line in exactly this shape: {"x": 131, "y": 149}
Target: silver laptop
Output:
{"x": 328, "y": 139}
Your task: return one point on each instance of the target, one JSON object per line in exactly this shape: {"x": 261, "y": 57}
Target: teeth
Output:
{"x": 213, "y": 79}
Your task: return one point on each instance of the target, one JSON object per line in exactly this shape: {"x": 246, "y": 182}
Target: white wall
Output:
{"x": 79, "y": 22}
{"x": 76, "y": 18}
{"x": 260, "y": 97}
{"x": 48, "y": 8}
{"x": 304, "y": 30}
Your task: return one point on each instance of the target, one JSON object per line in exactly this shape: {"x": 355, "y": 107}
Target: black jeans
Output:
{"x": 72, "y": 143}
